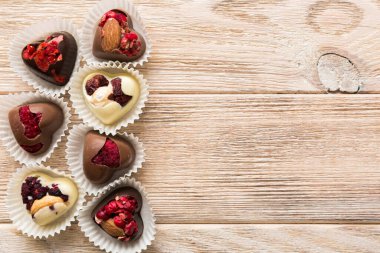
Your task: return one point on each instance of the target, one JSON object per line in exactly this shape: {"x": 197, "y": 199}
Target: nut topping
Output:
{"x": 111, "y": 35}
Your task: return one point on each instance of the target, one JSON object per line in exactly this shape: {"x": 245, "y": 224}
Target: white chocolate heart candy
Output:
{"x": 48, "y": 198}
{"x": 110, "y": 96}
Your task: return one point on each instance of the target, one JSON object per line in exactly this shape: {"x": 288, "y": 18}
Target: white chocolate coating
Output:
{"x": 109, "y": 111}
{"x": 48, "y": 214}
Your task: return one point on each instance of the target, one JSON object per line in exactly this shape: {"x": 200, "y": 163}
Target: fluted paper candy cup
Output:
{"x": 101, "y": 239}
{"x": 91, "y": 23}
{"x": 74, "y": 156}
{"x": 37, "y": 32}
{"x": 84, "y": 112}
{"x": 20, "y": 216}
{"x": 16, "y": 151}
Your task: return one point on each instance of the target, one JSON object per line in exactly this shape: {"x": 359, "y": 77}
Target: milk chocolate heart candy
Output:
{"x": 33, "y": 125}
{"x": 103, "y": 155}
{"x": 115, "y": 38}
{"x": 52, "y": 59}
{"x": 47, "y": 198}
{"x": 110, "y": 96}
{"x": 118, "y": 214}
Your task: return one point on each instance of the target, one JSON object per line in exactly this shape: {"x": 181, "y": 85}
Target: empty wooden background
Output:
{"x": 256, "y": 136}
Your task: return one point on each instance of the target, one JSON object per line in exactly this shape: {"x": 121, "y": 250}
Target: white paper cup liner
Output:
{"x": 74, "y": 154}
{"x": 20, "y": 216}
{"x": 104, "y": 241}
{"x": 16, "y": 151}
{"x": 84, "y": 111}
{"x": 91, "y": 23}
{"x": 36, "y": 32}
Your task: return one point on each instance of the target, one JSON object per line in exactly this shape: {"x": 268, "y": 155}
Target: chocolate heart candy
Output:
{"x": 52, "y": 59}
{"x": 33, "y": 125}
{"x": 110, "y": 96}
{"x": 115, "y": 38}
{"x": 48, "y": 198}
{"x": 104, "y": 155}
{"x": 118, "y": 214}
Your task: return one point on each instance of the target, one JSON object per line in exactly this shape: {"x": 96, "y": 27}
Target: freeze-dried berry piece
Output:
{"x": 108, "y": 155}
{"x": 55, "y": 191}
{"x": 94, "y": 83}
{"x": 32, "y": 148}
{"x": 30, "y": 121}
{"x": 130, "y": 230}
{"x": 117, "y": 93}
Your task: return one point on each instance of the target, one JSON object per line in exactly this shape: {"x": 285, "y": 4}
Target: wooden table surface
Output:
{"x": 247, "y": 147}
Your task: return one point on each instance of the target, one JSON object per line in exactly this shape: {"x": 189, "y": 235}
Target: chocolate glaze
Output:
{"x": 120, "y": 192}
{"x": 98, "y": 173}
{"x": 69, "y": 49}
{"x": 116, "y": 56}
{"x": 51, "y": 120}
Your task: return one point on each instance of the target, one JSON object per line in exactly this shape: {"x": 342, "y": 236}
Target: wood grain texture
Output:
{"x": 257, "y": 158}
{"x": 219, "y": 238}
{"x": 244, "y": 150}
{"x": 230, "y": 46}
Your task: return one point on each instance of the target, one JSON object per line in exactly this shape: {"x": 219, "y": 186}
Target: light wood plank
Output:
{"x": 218, "y": 238}
{"x": 256, "y": 158}
{"x": 233, "y": 46}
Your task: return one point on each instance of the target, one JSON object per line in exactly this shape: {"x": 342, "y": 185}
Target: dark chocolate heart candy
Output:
{"x": 104, "y": 155}
{"x": 116, "y": 40}
{"x": 126, "y": 200}
{"x": 52, "y": 59}
{"x": 33, "y": 125}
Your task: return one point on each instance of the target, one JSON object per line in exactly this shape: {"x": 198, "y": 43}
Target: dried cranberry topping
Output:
{"x": 32, "y": 148}
{"x": 119, "y": 221}
{"x": 121, "y": 210}
{"x": 30, "y": 121}
{"x": 94, "y": 83}
{"x": 130, "y": 43}
{"x": 55, "y": 191}
{"x": 102, "y": 215}
{"x": 111, "y": 208}
{"x": 117, "y": 93}
{"x": 108, "y": 155}
{"x": 32, "y": 190}
{"x": 46, "y": 54}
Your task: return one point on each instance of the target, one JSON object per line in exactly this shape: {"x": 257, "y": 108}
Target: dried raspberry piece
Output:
{"x": 130, "y": 44}
{"x": 111, "y": 208}
{"x": 120, "y": 16}
{"x": 117, "y": 94}
{"x": 108, "y": 155}
{"x": 29, "y": 52}
{"x": 40, "y": 192}
{"x": 30, "y": 121}
{"x": 94, "y": 83}
{"x": 127, "y": 203}
{"x": 130, "y": 230}
{"x": 102, "y": 215}
{"x": 32, "y": 148}
{"x": 119, "y": 221}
